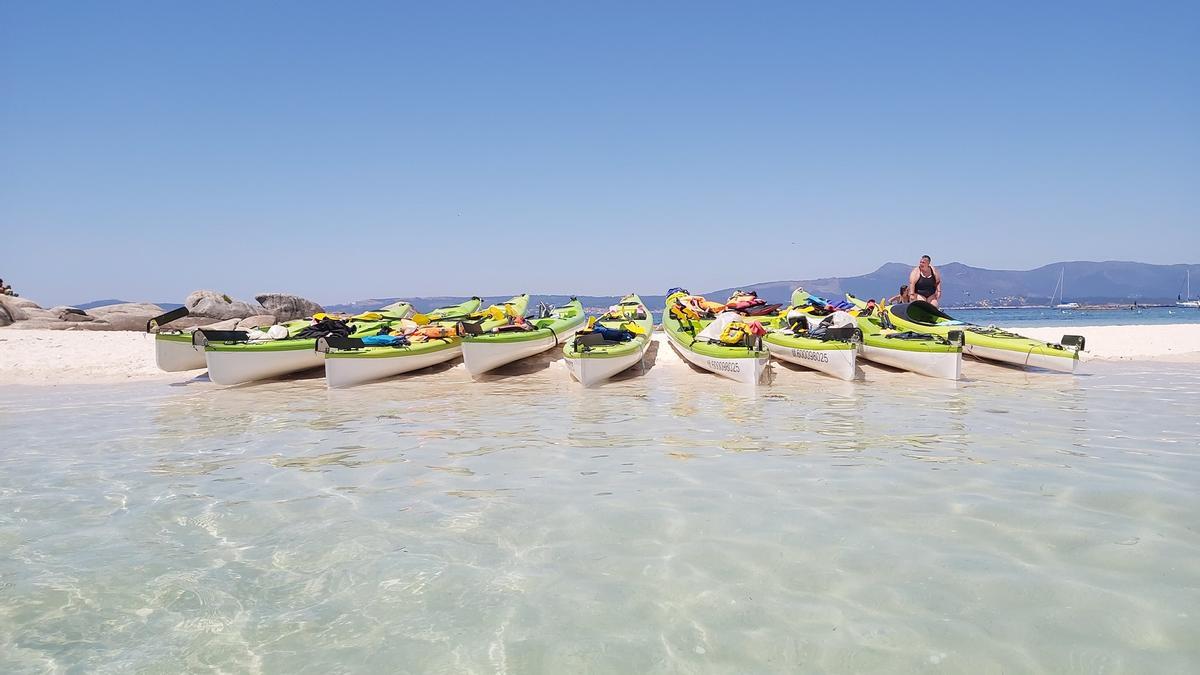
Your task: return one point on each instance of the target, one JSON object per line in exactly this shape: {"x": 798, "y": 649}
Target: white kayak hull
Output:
{"x": 592, "y": 371}
{"x": 347, "y": 371}
{"x": 175, "y": 356}
{"x": 840, "y": 363}
{"x": 238, "y": 367}
{"x": 481, "y": 357}
{"x": 944, "y": 365}
{"x": 1061, "y": 364}
{"x": 746, "y": 371}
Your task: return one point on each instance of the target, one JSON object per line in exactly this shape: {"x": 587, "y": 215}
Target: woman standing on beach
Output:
{"x": 924, "y": 282}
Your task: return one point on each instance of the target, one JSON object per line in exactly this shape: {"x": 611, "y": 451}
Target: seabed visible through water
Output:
{"x": 666, "y": 522}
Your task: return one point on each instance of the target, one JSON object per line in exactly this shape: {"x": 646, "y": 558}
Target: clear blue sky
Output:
{"x": 352, "y": 150}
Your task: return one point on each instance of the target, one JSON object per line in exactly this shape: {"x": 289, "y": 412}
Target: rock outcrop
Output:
{"x": 228, "y": 324}
{"x": 127, "y": 315}
{"x": 207, "y": 309}
{"x": 65, "y": 313}
{"x": 219, "y": 306}
{"x": 260, "y": 321}
{"x": 288, "y": 307}
{"x": 23, "y": 303}
{"x": 11, "y": 312}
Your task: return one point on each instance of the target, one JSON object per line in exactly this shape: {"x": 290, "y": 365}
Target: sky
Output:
{"x": 355, "y": 150}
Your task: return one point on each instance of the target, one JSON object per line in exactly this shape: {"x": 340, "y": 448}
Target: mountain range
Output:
{"x": 1085, "y": 282}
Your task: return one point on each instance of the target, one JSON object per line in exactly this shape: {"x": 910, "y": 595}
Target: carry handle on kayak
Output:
{"x": 202, "y": 337}
{"x": 956, "y": 337}
{"x": 1075, "y": 342}
{"x": 324, "y": 344}
{"x": 166, "y": 318}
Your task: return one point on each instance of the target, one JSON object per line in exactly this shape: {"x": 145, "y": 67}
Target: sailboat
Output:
{"x": 1188, "y": 301}
{"x": 1058, "y": 290}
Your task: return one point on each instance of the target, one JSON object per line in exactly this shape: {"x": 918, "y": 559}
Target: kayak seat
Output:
{"x": 471, "y": 328}
{"x": 842, "y": 334}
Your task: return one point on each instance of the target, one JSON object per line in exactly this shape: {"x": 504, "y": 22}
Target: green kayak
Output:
{"x": 436, "y": 340}
{"x": 836, "y": 357}
{"x": 592, "y": 359}
{"x": 695, "y": 335}
{"x": 989, "y": 342}
{"x": 522, "y": 338}
{"x": 236, "y": 360}
{"x": 915, "y": 351}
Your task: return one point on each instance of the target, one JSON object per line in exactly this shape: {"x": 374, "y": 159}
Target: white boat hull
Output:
{"x": 1057, "y": 363}
{"x": 596, "y": 370}
{"x": 174, "y": 356}
{"x": 240, "y": 367}
{"x": 746, "y": 371}
{"x": 944, "y": 365}
{"x": 349, "y": 371}
{"x": 480, "y": 357}
{"x": 840, "y": 363}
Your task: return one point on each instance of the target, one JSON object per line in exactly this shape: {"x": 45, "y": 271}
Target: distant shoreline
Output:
{"x": 1106, "y": 306}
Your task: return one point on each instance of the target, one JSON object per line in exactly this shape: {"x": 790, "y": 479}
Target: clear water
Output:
{"x": 1046, "y": 316}
{"x": 665, "y": 523}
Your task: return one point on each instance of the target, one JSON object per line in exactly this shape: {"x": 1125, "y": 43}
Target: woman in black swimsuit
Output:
{"x": 925, "y": 282}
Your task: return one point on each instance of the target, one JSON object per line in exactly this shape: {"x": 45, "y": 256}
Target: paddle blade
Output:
{"x": 164, "y": 319}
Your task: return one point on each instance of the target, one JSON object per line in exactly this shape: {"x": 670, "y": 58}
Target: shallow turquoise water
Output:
{"x": 1048, "y": 316}
{"x": 666, "y": 523}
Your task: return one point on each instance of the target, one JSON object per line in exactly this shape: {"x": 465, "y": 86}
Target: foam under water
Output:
{"x": 665, "y": 522}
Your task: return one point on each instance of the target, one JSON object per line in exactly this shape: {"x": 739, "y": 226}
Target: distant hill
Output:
{"x": 167, "y": 306}
{"x": 99, "y": 303}
{"x": 1084, "y": 282}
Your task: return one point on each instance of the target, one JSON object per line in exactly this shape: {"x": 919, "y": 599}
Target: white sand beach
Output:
{"x": 49, "y": 357}
{"x": 76, "y": 357}
{"x": 1170, "y": 342}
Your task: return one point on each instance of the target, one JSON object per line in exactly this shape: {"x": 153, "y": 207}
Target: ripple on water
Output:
{"x": 1012, "y": 522}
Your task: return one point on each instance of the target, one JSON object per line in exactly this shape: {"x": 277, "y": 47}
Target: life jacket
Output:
{"x": 744, "y": 300}
{"x": 683, "y": 312}
{"x": 622, "y": 334}
{"x": 633, "y": 327}
{"x": 518, "y": 324}
{"x": 385, "y": 341}
{"x": 625, "y": 311}
{"x": 735, "y": 333}
{"x": 700, "y": 306}
{"x": 495, "y": 313}
{"x": 760, "y": 310}
{"x": 434, "y": 331}
{"x": 325, "y": 328}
